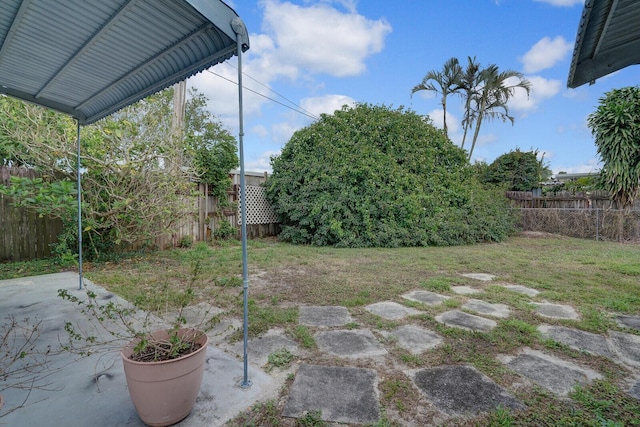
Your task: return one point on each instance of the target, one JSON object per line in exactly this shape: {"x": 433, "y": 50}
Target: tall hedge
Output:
{"x": 376, "y": 176}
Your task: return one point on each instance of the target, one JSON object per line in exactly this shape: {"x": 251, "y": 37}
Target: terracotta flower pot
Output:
{"x": 164, "y": 392}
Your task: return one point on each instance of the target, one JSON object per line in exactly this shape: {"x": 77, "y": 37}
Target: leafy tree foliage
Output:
{"x": 137, "y": 179}
{"x": 373, "y": 176}
{"x": 518, "y": 170}
{"x": 448, "y": 81}
{"x": 485, "y": 91}
{"x": 616, "y": 127}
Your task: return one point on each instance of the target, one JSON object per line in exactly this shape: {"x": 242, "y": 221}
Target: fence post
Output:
{"x": 597, "y": 224}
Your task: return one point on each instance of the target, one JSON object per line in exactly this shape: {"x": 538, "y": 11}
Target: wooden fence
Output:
{"x": 586, "y": 215}
{"x": 25, "y": 236}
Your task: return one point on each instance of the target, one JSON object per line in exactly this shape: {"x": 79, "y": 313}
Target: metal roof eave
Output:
{"x": 120, "y": 51}
{"x": 607, "y": 40}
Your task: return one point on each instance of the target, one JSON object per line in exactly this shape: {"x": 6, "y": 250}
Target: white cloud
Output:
{"x": 453, "y": 124}
{"x": 545, "y": 54}
{"x": 262, "y": 163}
{"x": 326, "y": 104}
{"x": 561, "y": 3}
{"x": 541, "y": 89}
{"x": 321, "y": 39}
{"x": 592, "y": 165}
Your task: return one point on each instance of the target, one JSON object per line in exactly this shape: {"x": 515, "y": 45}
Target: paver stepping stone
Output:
{"x": 343, "y": 395}
{"x": 627, "y": 346}
{"x": 324, "y": 316}
{"x": 259, "y": 349}
{"x": 415, "y": 338}
{"x": 635, "y": 390}
{"x": 483, "y": 307}
{"x": 550, "y": 372}
{"x": 391, "y": 310}
{"x": 465, "y": 290}
{"x": 350, "y": 343}
{"x": 460, "y": 319}
{"x": 459, "y": 390}
{"x": 425, "y": 297}
{"x": 631, "y": 322}
{"x": 480, "y": 276}
{"x": 522, "y": 290}
{"x": 577, "y": 339}
{"x": 556, "y": 311}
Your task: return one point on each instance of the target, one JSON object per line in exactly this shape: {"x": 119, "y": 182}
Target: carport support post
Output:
{"x": 79, "y": 178}
{"x": 240, "y": 29}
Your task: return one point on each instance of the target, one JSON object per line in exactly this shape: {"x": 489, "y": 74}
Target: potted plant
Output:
{"x": 163, "y": 362}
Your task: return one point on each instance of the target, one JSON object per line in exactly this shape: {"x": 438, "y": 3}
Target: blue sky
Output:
{"x": 317, "y": 55}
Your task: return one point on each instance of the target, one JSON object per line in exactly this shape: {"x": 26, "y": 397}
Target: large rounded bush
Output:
{"x": 373, "y": 176}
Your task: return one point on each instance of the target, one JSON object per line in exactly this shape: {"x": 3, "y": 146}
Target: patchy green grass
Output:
{"x": 597, "y": 278}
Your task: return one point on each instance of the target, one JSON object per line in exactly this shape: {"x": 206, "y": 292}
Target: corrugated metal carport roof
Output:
{"x": 608, "y": 40}
{"x": 89, "y": 58}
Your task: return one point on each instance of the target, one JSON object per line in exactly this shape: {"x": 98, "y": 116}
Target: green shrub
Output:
{"x": 372, "y": 176}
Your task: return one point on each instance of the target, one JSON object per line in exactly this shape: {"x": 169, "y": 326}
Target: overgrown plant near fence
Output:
{"x": 598, "y": 224}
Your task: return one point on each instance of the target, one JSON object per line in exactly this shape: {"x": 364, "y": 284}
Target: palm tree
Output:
{"x": 492, "y": 96}
{"x": 447, "y": 81}
{"x": 469, "y": 82}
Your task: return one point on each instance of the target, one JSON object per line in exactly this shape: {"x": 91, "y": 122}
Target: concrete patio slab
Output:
{"x": 324, "y": 316}
{"x": 415, "y": 338}
{"x": 460, "y": 319}
{"x": 483, "y": 277}
{"x": 425, "y": 297}
{"x": 577, "y": 339}
{"x": 483, "y": 307}
{"x": 627, "y": 346}
{"x": 550, "y": 372}
{"x": 94, "y": 386}
{"x": 522, "y": 290}
{"x": 353, "y": 343}
{"x": 462, "y": 390}
{"x": 343, "y": 395}
{"x": 465, "y": 290}
{"x": 391, "y": 310}
{"x": 556, "y": 311}
{"x": 260, "y": 348}
{"x": 626, "y": 321}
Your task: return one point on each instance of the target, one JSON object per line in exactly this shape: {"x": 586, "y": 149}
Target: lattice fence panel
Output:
{"x": 259, "y": 211}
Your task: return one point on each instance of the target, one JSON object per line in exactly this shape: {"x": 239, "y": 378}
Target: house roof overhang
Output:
{"x": 90, "y": 58}
{"x": 608, "y": 39}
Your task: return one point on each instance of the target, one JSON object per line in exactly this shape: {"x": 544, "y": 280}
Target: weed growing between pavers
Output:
{"x": 304, "y": 337}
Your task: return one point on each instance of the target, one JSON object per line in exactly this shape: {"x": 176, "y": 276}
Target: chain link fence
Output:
{"x": 598, "y": 224}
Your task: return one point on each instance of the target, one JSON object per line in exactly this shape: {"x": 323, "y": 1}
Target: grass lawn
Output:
{"x": 596, "y": 278}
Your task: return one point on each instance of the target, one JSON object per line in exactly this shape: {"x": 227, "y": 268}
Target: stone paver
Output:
{"x": 343, "y": 395}
{"x": 483, "y": 307}
{"x": 550, "y": 372}
{"x": 461, "y": 390}
{"x": 324, "y": 316}
{"x": 415, "y": 338}
{"x": 626, "y": 321}
{"x": 635, "y": 390}
{"x": 350, "y": 343}
{"x": 522, "y": 290}
{"x": 460, "y": 319}
{"x": 627, "y": 346}
{"x": 260, "y": 348}
{"x": 465, "y": 290}
{"x": 391, "y": 310}
{"x": 577, "y": 339}
{"x": 425, "y": 297}
{"x": 480, "y": 276}
{"x": 556, "y": 311}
